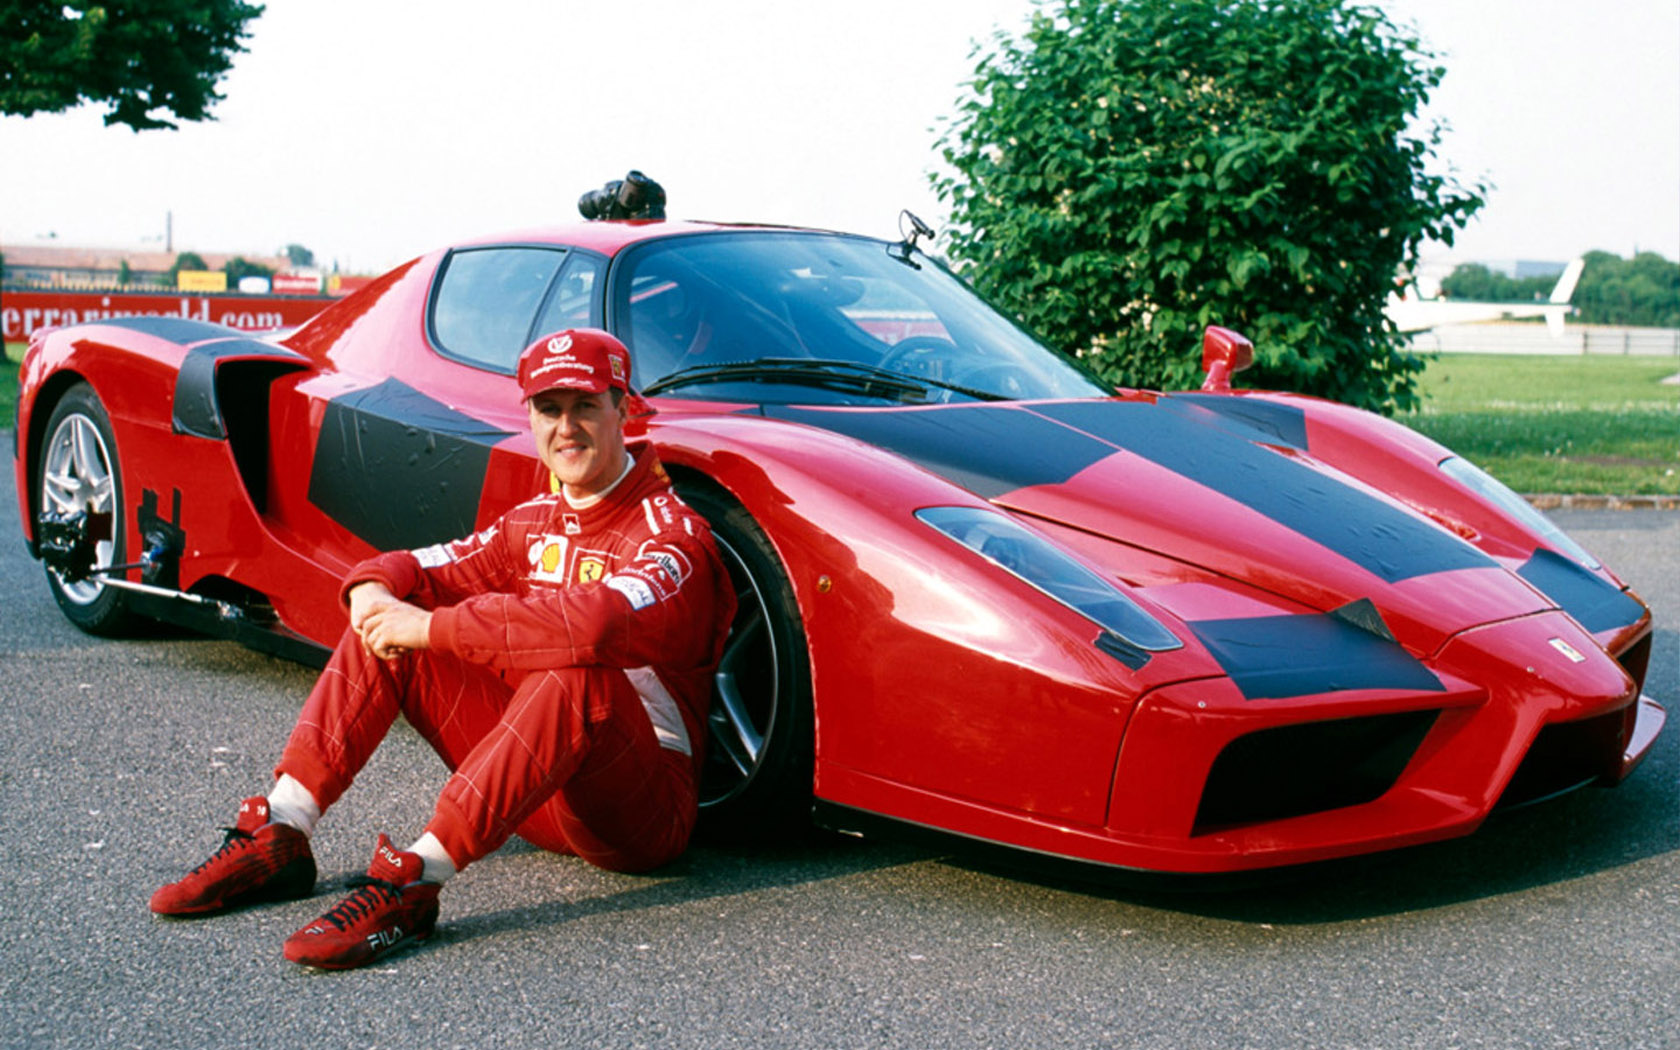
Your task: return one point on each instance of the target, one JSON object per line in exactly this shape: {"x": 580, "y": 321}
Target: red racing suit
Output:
{"x": 567, "y": 680}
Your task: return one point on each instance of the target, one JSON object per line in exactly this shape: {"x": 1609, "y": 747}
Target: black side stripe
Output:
{"x": 399, "y": 469}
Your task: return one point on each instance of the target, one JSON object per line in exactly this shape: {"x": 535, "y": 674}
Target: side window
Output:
{"x": 486, "y": 299}
{"x": 569, "y": 304}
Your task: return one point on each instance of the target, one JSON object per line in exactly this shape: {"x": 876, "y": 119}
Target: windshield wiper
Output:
{"x": 818, "y": 371}
{"x": 798, "y": 370}
{"x": 924, "y": 381}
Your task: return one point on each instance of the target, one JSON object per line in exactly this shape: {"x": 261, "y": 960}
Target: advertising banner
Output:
{"x": 21, "y": 313}
{"x": 296, "y": 282}
{"x": 201, "y": 281}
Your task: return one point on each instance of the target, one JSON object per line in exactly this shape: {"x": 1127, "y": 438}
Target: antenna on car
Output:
{"x": 917, "y": 229}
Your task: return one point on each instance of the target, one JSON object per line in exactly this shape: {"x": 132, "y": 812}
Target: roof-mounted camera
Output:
{"x": 633, "y": 197}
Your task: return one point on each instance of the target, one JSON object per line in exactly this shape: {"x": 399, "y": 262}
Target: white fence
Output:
{"x": 1517, "y": 338}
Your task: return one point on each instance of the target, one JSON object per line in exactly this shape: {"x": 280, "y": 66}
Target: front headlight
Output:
{"x": 1495, "y": 491}
{"x": 1036, "y": 561}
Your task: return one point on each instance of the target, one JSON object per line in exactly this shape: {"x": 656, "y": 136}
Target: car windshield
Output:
{"x": 821, "y": 318}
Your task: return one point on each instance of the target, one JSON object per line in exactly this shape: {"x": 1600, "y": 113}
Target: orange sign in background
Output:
{"x": 201, "y": 280}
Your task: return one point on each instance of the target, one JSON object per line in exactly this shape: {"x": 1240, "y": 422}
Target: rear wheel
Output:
{"x": 79, "y": 475}
{"x": 757, "y": 777}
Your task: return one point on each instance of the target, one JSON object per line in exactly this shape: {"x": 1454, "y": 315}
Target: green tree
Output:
{"x": 1476, "y": 282}
{"x": 1644, "y": 290}
{"x": 185, "y": 261}
{"x": 299, "y": 256}
{"x": 239, "y": 266}
{"x": 138, "y": 57}
{"x": 1128, "y": 171}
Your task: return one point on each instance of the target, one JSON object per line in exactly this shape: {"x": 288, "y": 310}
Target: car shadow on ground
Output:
{"x": 1579, "y": 835}
{"x": 1572, "y": 837}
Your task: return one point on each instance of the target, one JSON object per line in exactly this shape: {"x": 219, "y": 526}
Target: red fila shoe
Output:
{"x": 390, "y": 908}
{"x": 258, "y": 861}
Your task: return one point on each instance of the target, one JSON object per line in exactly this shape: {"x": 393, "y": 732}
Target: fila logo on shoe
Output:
{"x": 392, "y": 856}
{"x": 261, "y": 808}
{"x": 384, "y": 938}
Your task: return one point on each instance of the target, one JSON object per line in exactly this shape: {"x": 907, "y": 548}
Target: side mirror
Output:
{"x": 1224, "y": 354}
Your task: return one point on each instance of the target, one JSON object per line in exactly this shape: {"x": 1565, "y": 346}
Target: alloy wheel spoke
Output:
{"x": 732, "y": 726}
{"x": 60, "y": 490}
{"x": 85, "y": 452}
{"x": 103, "y": 493}
{"x": 742, "y": 641}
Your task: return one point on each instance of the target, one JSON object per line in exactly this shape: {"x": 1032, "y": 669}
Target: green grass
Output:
{"x": 1598, "y": 424}
{"x": 9, "y": 383}
{"x": 1580, "y": 424}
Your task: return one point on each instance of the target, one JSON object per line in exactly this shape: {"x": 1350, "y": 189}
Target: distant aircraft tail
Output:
{"x": 1562, "y": 292}
{"x": 1411, "y": 313}
{"x": 1565, "y": 288}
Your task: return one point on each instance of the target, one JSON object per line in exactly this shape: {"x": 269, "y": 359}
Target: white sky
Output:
{"x": 372, "y": 131}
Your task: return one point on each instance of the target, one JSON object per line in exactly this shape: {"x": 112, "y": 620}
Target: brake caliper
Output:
{"x": 66, "y": 545}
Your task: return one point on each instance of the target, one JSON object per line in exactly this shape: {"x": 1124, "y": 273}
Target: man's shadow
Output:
{"x": 705, "y": 872}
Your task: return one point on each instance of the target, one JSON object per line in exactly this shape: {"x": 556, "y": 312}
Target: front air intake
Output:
{"x": 1636, "y": 659}
{"x": 1570, "y": 755}
{"x": 1295, "y": 770}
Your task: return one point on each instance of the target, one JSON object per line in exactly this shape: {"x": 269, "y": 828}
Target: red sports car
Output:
{"x": 980, "y": 592}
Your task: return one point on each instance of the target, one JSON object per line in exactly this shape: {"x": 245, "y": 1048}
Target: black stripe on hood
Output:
{"x": 992, "y": 450}
{"x": 987, "y": 449}
{"x": 1595, "y": 604}
{"x": 1277, "y": 656}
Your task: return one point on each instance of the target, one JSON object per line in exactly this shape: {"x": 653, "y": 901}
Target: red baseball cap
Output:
{"x": 586, "y": 359}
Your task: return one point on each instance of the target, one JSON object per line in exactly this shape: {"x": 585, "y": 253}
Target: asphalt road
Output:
{"x": 1554, "y": 926}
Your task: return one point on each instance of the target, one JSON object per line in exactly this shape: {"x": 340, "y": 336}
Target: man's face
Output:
{"x": 580, "y": 438}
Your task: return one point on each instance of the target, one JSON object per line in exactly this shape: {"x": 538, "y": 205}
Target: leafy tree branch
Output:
{"x": 144, "y": 59}
{"x": 1127, "y": 172}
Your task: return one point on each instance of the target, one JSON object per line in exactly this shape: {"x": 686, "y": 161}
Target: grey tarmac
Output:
{"x": 1554, "y": 926}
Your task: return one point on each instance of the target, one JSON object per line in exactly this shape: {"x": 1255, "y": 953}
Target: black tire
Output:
{"x": 78, "y": 469}
{"x": 759, "y": 749}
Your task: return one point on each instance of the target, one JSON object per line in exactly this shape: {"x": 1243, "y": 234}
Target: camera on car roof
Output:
{"x": 633, "y": 197}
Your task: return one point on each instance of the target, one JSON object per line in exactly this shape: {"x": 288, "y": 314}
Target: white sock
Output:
{"x": 291, "y": 803}
{"x": 435, "y": 863}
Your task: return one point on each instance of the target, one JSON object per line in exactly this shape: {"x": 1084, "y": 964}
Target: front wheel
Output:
{"x": 757, "y": 777}
{"x": 79, "y": 475}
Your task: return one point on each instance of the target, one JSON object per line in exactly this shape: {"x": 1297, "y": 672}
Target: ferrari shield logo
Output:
{"x": 1567, "y": 650}
{"x": 590, "y": 568}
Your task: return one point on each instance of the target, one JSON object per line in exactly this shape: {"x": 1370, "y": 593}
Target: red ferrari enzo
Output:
{"x": 980, "y": 592}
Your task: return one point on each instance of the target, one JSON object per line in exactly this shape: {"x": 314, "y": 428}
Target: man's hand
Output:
{"x": 386, "y": 625}
{"x": 364, "y": 599}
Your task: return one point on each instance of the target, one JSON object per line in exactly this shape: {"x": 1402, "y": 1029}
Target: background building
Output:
{"x": 60, "y": 266}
